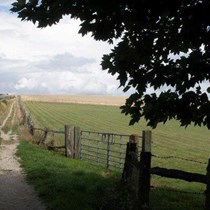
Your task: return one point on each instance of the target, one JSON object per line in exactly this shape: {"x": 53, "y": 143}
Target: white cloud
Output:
{"x": 28, "y": 83}
{"x": 27, "y": 41}
{"x": 67, "y": 82}
{"x": 6, "y": 3}
{"x": 63, "y": 62}
{"x": 51, "y": 60}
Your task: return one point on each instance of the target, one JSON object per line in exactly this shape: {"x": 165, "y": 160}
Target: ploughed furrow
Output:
{"x": 43, "y": 117}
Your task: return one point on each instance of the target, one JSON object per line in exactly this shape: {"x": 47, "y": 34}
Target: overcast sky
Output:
{"x": 51, "y": 60}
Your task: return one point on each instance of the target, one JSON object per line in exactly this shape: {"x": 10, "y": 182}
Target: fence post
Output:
{"x": 207, "y": 204}
{"x": 144, "y": 170}
{"x": 31, "y": 130}
{"x": 129, "y": 181}
{"x": 43, "y": 138}
{"x": 131, "y": 157}
{"x": 69, "y": 141}
{"x": 77, "y": 142}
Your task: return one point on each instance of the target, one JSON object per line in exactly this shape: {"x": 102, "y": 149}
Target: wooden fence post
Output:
{"x": 131, "y": 158}
{"x": 130, "y": 175}
{"x": 77, "y": 142}
{"x": 69, "y": 141}
{"x": 43, "y": 138}
{"x": 144, "y": 171}
{"x": 207, "y": 204}
{"x": 31, "y": 130}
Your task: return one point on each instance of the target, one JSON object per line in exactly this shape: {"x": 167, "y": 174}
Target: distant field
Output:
{"x": 102, "y": 100}
{"x": 170, "y": 139}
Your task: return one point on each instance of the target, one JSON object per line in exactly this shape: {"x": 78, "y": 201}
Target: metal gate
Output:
{"x": 106, "y": 149}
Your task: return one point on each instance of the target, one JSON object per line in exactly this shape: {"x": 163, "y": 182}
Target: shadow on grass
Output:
{"x": 65, "y": 184}
{"x": 164, "y": 198}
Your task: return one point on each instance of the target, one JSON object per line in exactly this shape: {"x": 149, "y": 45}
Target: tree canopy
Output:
{"x": 162, "y": 45}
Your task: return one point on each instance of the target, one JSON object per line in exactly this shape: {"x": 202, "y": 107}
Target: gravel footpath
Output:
{"x": 15, "y": 193}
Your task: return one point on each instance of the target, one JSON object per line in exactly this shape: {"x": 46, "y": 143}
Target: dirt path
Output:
{"x": 15, "y": 193}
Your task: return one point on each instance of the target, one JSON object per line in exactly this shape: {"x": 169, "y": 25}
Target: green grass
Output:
{"x": 170, "y": 139}
{"x": 91, "y": 117}
{"x": 63, "y": 183}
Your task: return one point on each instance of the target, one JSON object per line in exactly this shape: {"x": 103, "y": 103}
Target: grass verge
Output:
{"x": 62, "y": 183}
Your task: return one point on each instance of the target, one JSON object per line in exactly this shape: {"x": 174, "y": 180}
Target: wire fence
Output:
{"x": 172, "y": 190}
{"x": 179, "y": 158}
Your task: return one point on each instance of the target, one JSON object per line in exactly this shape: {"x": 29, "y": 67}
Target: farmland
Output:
{"x": 190, "y": 144}
{"x": 102, "y": 100}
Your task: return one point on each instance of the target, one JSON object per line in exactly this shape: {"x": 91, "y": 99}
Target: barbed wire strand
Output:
{"x": 179, "y": 158}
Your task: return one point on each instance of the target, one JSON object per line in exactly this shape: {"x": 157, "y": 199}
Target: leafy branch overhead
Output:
{"x": 161, "y": 44}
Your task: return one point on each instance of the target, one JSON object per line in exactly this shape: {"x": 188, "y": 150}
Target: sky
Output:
{"x": 52, "y": 60}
